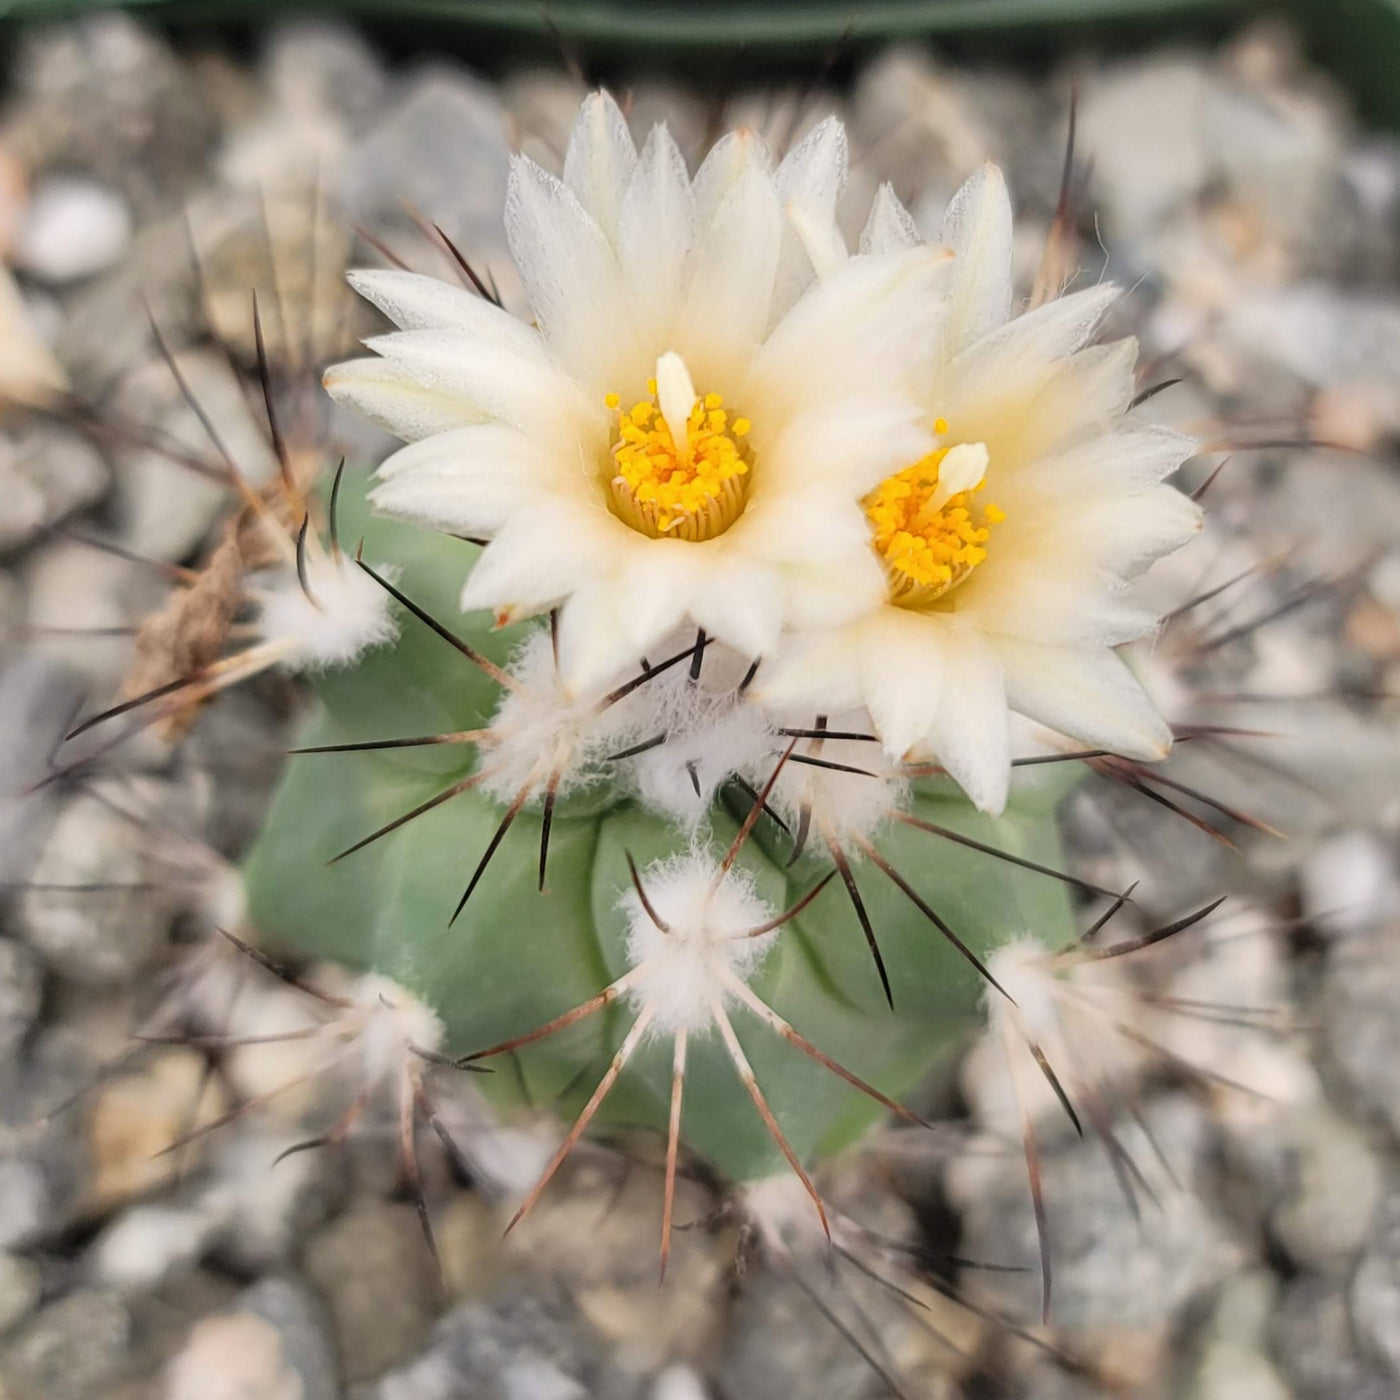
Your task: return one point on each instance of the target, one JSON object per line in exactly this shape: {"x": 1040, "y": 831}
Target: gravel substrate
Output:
{"x": 1256, "y": 228}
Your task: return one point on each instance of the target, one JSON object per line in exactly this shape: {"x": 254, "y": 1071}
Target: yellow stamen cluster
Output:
{"x": 927, "y": 549}
{"x": 692, "y": 492}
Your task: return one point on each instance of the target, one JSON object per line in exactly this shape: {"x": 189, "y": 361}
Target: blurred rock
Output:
{"x": 1312, "y": 1337}
{"x": 73, "y": 1349}
{"x": 1375, "y": 1290}
{"x": 271, "y": 1345}
{"x": 21, "y": 1287}
{"x": 1360, "y": 1010}
{"x": 1336, "y": 1183}
{"x": 374, "y": 1269}
{"x": 1110, "y": 1273}
{"x": 46, "y": 473}
{"x": 1234, "y": 1363}
{"x": 97, "y": 907}
{"x": 72, "y": 229}
{"x": 107, "y": 96}
{"x": 149, "y": 1243}
{"x": 1350, "y": 884}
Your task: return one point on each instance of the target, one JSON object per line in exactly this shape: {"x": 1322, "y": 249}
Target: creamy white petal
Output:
{"x": 594, "y": 646}
{"x": 1110, "y": 464}
{"x": 732, "y": 156}
{"x": 470, "y": 481}
{"x": 492, "y": 382}
{"x": 742, "y": 604}
{"x": 809, "y": 182}
{"x": 393, "y": 397}
{"x": 570, "y": 274}
{"x": 659, "y": 578}
{"x": 600, "y": 159}
{"x": 903, "y": 671}
{"x": 541, "y": 557}
{"x": 972, "y": 734}
{"x": 890, "y": 227}
{"x": 854, "y": 442}
{"x": 1088, "y": 695}
{"x": 655, "y": 229}
{"x": 1121, "y": 534}
{"x": 731, "y": 270}
{"x": 857, "y": 331}
{"x": 977, "y": 227}
{"x": 417, "y": 303}
{"x": 1064, "y": 607}
{"x": 821, "y": 667}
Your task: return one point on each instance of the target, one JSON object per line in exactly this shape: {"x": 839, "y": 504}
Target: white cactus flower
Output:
{"x": 1008, "y": 550}
{"x": 687, "y": 430}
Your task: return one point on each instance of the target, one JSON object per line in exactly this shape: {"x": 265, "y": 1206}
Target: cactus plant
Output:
{"x": 704, "y": 807}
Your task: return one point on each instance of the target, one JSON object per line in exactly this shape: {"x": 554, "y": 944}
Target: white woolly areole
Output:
{"x": 684, "y": 967}
{"x": 539, "y": 728}
{"x": 396, "y": 1024}
{"x": 712, "y": 732}
{"x": 349, "y": 615}
{"x": 780, "y": 1211}
{"x": 1024, "y": 968}
{"x": 848, "y": 806}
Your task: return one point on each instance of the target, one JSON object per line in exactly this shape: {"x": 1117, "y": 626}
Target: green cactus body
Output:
{"x": 518, "y": 957}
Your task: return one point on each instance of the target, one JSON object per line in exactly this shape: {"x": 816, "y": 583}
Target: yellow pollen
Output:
{"x": 928, "y": 546}
{"x": 692, "y": 493}
{"x": 940, "y": 426}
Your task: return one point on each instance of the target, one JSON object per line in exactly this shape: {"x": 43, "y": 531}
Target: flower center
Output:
{"x": 929, "y": 529}
{"x": 681, "y": 465}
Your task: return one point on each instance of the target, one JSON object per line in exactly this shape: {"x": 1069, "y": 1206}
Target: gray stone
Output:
{"x": 1360, "y": 1010}
{"x": 21, "y": 995}
{"x": 529, "y": 1341}
{"x": 72, "y": 229}
{"x": 321, "y": 65}
{"x": 102, "y": 912}
{"x": 21, "y": 1287}
{"x": 1109, "y": 1270}
{"x": 150, "y": 1243}
{"x": 45, "y": 474}
{"x": 73, "y": 1349}
{"x": 107, "y": 96}
{"x": 379, "y": 1281}
{"x": 271, "y": 1344}
{"x": 1311, "y": 1335}
{"x": 442, "y": 150}
{"x": 1375, "y": 1291}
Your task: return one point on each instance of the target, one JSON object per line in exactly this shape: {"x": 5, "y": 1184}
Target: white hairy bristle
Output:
{"x": 849, "y": 806}
{"x": 396, "y": 1024}
{"x": 685, "y": 967}
{"x": 540, "y": 729}
{"x": 345, "y": 614}
{"x": 711, "y": 734}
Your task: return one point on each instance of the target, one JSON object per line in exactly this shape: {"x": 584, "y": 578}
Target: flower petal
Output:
{"x": 731, "y": 270}
{"x": 570, "y": 274}
{"x": 600, "y": 160}
{"x": 393, "y": 397}
{"x": 904, "y": 670}
{"x": 1087, "y": 694}
{"x": 820, "y": 668}
{"x": 890, "y": 227}
{"x": 470, "y": 481}
{"x": 417, "y": 303}
{"x": 972, "y": 736}
{"x": 654, "y": 232}
{"x": 977, "y": 227}
{"x": 850, "y": 444}
{"x": 494, "y": 383}
{"x": 809, "y": 183}
{"x": 541, "y": 557}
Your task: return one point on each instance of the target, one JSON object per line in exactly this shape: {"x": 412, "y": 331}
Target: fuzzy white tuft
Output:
{"x": 346, "y": 614}
{"x": 540, "y": 729}
{"x": 711, "y": 731}
{"x": 396, "y": 1024}
{"x": 846, "y": 806}
{"x": 684, "y": 967}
